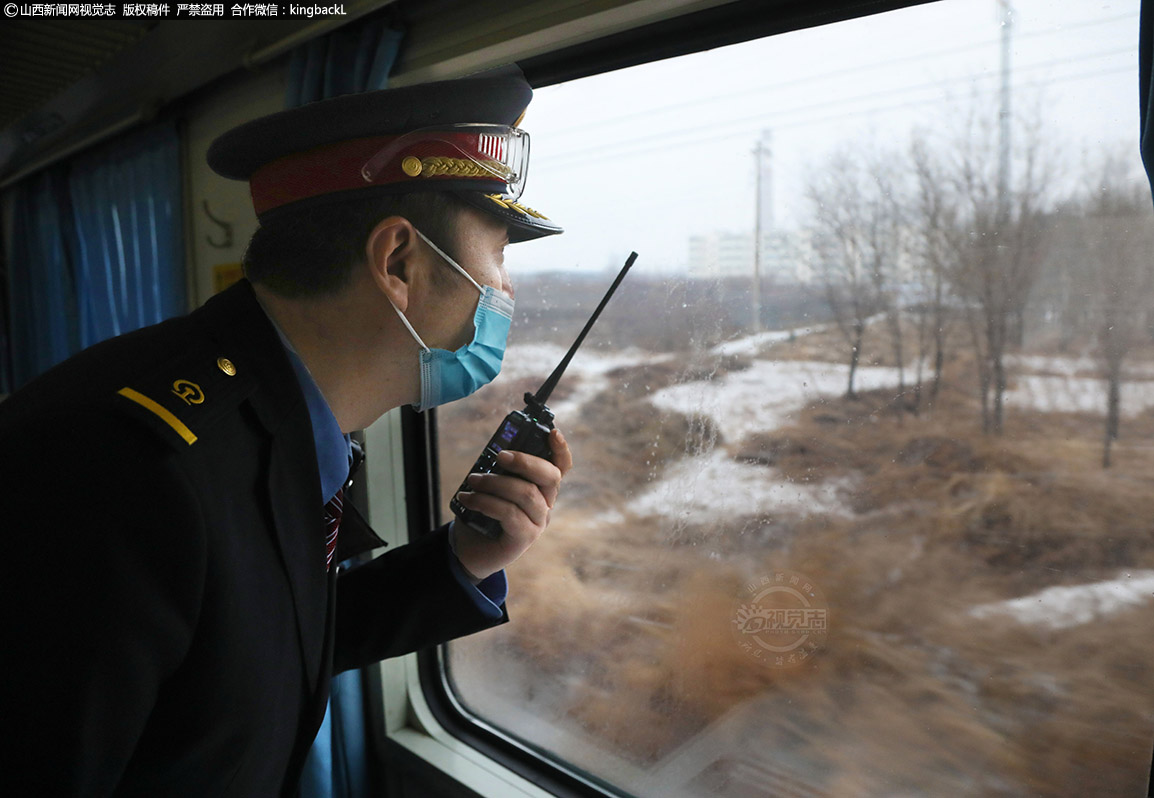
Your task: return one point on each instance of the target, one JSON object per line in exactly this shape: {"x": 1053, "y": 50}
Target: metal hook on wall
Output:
{"x": 225, "y": 226}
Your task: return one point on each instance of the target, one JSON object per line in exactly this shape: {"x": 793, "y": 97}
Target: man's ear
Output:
{"x": 389, "y": 252}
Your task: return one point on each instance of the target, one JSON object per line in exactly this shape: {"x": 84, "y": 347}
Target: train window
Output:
{"x": 873, "y": 519}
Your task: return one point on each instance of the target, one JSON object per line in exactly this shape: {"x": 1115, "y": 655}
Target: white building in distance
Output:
{"x": 786, "y": 257}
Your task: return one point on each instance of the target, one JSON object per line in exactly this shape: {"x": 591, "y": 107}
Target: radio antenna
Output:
{"x": 547, "y": 387}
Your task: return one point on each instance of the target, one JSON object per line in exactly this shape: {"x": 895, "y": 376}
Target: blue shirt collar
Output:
{"x": 334, "y": 450}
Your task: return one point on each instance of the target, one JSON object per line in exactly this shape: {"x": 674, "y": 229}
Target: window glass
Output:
{"x": 874, "y": 519}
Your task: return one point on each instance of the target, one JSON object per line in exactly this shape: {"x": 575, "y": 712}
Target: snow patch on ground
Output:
{"x": 1074, "y": 365}
{"x": 1077, "y": 395}
{"x": 761, "y": 398}
{"x": 1062, "y": 607}
{"x": 1046, "y": 364}
{"x": 715, "y": 486}
{"x": 752, "y": 344}
{"x": 766, "y": 395}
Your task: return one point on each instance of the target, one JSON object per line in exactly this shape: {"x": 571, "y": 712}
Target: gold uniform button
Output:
{"x": 225, "y": 365}
{"x": 411, "y": 165}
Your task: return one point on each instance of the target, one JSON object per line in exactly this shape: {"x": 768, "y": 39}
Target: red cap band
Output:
{"x": 338, "y": 167}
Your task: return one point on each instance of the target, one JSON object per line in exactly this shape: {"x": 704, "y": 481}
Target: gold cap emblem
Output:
{"x": 411, "y": 165}
{"x": 225, "y": 365}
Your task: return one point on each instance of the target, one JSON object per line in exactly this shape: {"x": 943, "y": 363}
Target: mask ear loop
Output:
{"x": 409, "y": 327}
{"x": 450, "y": 261}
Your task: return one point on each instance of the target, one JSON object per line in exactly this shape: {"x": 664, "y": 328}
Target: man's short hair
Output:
{"x": 309, "y": 252}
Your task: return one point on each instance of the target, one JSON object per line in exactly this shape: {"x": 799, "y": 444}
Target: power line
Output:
{"x": 774, "y": 119}
{"x": 602, "y": 123}
{"x": 777, "y": 115}
{"x": 917, "y": 103}
{"x": 748, "y": 131}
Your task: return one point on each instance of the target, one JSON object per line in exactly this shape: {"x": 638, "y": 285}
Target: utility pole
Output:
{"x": 761, "y": 153}
{"x": 1007, "y": 22}
{"x": 1014, "y": 324}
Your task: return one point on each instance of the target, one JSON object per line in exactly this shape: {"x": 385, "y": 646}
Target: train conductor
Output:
{"x": 173, "y": 499}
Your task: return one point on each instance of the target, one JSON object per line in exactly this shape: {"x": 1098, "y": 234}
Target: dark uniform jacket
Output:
{"x": 169, "y": 628}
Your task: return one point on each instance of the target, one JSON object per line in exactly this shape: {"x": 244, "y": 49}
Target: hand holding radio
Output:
{"x": 518, "y": 499}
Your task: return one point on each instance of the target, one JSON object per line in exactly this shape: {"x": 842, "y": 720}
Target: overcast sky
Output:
{"x": 645, "y": 157}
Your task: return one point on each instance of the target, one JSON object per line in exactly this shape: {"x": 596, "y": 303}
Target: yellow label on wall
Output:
{"x": 224, "y": 275}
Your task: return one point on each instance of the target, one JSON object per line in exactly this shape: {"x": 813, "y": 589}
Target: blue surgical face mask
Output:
{"x": 448, "y": 376}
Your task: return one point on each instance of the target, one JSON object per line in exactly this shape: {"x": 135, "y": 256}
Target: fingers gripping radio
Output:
{"x": 526, "y": 430}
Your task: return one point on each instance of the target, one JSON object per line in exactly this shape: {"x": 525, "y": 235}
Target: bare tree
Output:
{"x": 1119, "y": 273}
{"x": 932, "y": 219}
{"x": 849, "y": 246}
{"x": 995, "y": 246}
{"x": 886, "y": 239}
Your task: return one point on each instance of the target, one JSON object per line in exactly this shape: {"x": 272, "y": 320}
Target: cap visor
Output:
{"x": 525, "y": 224}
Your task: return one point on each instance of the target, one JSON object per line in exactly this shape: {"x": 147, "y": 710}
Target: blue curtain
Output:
{"x": 336, "y": 765}
{"x": 126, "y": 202}
{"x": 350, "y": 60}
{"x": 96, "y": 250}
{"x": 41, "y": 293}
{"x": 354, "y": 59}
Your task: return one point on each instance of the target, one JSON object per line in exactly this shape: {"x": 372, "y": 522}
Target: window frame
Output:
{"x": 410, "y": 711}
{"x": 432, "y": 724}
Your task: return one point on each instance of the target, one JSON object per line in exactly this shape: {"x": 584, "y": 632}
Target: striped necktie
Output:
{"x": 333, "y": 510}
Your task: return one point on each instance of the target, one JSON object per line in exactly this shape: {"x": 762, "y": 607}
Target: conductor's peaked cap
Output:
{"x": 457, "y": 136}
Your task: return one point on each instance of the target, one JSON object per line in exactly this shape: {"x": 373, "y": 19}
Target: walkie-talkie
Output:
{"x": 526, "y": 430}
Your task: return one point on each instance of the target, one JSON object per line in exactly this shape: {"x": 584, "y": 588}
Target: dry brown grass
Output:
{"x": 910, "y": 693}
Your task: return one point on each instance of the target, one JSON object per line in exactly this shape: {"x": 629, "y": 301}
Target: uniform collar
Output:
{"x": 334, "y": 451}
{"x": 334, "y": 448}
